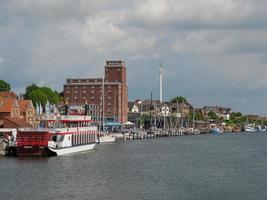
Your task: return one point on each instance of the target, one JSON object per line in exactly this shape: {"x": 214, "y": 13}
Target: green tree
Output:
{"x": 30, "y": 88}
{"x": 37, "y": 96}
{"x": 52, "y": 96}
{"x": 212, "y": 115}
{"x": 4, "y": 86}
{"x": 179, "y": 99}
{"x": 41, "y": 95}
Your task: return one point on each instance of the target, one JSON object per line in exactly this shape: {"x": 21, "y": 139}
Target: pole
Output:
{"x": 103, "y": 102}
{"x": 150, "y": 111}
{"x": 114, "y": 109}
{"x": 194, "y": 115}
{"x": 160, "y": 82}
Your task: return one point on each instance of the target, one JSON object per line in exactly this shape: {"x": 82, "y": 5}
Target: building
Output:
{"x": 27, "y": 111}
{"x": 12, "y": 115}
{"x": 8, "y": 94}
{"x": 220, "y": 112}
{"x": 9, "y": 108}
{"x": 89, "y": 91}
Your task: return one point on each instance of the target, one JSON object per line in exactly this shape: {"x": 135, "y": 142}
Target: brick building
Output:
{"x": 89, "y": 91}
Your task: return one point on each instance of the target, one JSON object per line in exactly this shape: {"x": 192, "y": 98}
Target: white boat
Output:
{"x": 58, "y": 136}
{"x": 107, "y": 139}
{"x": 251, "y": 128}
{"x": 216, "y": 130}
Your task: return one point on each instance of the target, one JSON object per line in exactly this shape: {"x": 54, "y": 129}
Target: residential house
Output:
{"x": 27, "y": 111}
{"x": 8, "y": 95}
{"x": 220, "y": 112}
{"x": 11, "y": 116}
{"x": 9, "y": 108}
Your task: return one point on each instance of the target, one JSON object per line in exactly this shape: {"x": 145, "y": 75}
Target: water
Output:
{"x": 229, "y": 166}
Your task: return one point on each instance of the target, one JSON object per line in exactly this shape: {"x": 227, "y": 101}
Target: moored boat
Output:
{"x": 108, "y": 138}
{"x": 58, "y": 135}
{"x": 216, "y": 130}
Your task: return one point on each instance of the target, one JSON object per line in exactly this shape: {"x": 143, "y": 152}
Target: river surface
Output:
{"x": 228, "y": 166}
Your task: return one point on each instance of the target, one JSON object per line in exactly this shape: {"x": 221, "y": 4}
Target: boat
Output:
{"x": 216, "y": 130}
{"x": 57, "y": 135}
{"x": 107, "y": 138}
{"x": 251, "y": 128}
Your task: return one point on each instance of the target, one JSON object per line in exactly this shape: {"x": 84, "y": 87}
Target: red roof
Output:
{"x": 21, "y": 123}
{"x": 7, "y": 94}
{"x": 6, "y": 105}
{"x": 24, "y": 105}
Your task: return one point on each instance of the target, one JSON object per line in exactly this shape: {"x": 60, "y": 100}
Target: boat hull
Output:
{"x": 107, "y": 139}
{"x": 33, "y": 151}
{"x": 71, "y": 150}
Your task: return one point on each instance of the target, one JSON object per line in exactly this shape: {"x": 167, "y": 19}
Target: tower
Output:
{"x": 160, "y": 83}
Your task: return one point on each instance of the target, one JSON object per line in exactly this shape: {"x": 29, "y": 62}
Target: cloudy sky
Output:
{"x": 213, "y": 51}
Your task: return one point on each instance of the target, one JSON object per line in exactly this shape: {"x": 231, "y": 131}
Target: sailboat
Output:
{"x": 105, "y": 137}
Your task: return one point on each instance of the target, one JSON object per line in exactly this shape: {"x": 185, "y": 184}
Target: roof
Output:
{"x": 18, "y": 122}
{"x": 8, "y": 94}
{"x": 6, "y": 105}
{"x": 24, "y": 105}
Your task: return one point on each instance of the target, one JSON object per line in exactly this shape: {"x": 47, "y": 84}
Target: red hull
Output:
{"x": 28, "y": 151}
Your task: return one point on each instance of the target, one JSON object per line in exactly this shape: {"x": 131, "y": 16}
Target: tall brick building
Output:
{"x": 89, "y": 91}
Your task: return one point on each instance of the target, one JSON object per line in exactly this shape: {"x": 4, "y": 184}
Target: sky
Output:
{"x": 213, "y": 52}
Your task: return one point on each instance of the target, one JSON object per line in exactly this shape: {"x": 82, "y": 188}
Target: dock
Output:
{"x": 152, "y": 134}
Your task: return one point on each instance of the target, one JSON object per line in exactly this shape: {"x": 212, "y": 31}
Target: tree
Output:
{"x": 212, "y": 115}
{"x": 37, "y": 96}
{"x": 52, "y": 97}
{"x": 4, "y": 86}
{"x": 179, "y": 99}
{"x": 41, "y": 95}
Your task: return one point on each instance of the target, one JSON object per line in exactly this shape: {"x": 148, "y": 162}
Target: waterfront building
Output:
{"x": 8, "y": 94}
{"x": 27, "y": 111}
{"x": 89, "y": 91}
{"x": 12, "y": 115}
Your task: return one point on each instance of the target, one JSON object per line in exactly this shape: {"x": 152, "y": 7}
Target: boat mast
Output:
{"x": 103, "y": 102}
{"x": 114, "y": 109}
{"x": 160, "y": 82}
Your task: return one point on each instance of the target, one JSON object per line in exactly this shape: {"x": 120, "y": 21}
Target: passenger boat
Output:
{"x": 57, "y": 135}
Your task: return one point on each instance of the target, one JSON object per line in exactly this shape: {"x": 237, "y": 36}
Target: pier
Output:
{"x": 149, "y": 134}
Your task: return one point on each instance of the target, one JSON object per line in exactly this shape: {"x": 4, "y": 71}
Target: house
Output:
{"x": 8, "y": 122}
{"x": 16, "y": 113}
{"x": 181, "y": 109}
{"x": 9, "y": 108}
{"x": 27, "y": 111}
{"x": 220, "y": 112}
{"x": 8, "y": 94}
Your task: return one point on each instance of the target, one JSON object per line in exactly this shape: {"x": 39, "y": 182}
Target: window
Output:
{"x": 92, "y": 86}
{"x": 92, "y": 91}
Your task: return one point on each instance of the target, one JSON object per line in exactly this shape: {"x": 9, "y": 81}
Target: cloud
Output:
{"x": 2, "y": 60}
{"x": 213, "y": 52}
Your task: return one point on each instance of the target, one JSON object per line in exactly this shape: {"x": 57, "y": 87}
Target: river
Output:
{"x": 202, "y": 167}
